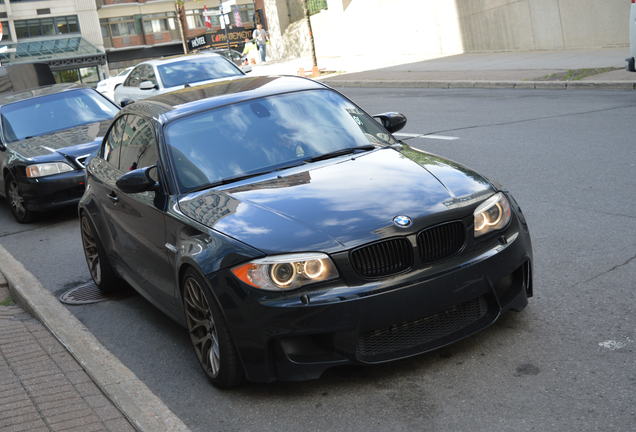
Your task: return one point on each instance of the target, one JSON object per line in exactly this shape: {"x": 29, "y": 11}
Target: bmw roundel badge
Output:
{"x": 402, "y": 221}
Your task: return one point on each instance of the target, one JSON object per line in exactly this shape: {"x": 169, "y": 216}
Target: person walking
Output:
{"x": 249, "y": 51}
{"x": 261, "y": 37}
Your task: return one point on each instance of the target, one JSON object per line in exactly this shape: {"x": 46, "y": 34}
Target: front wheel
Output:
{"x": 209, "y": 335}
{"x": 98, "y": 265}
{"x": 16, "y": 201}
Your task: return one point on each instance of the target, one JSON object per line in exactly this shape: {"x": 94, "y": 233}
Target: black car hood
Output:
{"x": 73, "y": 142}
{"x": 341, "y": 203}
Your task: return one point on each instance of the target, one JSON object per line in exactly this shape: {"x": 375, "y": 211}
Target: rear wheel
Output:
{"x": 16, "y": 201}
{"x": 210, "y": 339}
{"x": 98, "y": 265}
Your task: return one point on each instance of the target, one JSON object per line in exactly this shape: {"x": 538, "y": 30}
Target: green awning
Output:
{"x": 60, "y": 52}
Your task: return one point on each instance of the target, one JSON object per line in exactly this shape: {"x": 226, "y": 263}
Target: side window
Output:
{"x": 112, "y": 146}
{"x": 148, "y": 74}
{"x": 139, "y": 147}
{"x": 134, "y": 78}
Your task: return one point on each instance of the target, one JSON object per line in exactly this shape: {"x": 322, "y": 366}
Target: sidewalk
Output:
{"x": 536, "y": 69}
{"x": 42, "y": 388}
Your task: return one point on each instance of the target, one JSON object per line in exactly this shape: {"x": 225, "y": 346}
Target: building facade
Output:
{"x": 63, "y": 33}
{"x": 135, "y": 30}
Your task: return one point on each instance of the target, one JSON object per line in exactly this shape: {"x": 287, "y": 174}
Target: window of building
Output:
{"x": 196, "y": 20}
{"x": 46, "y": 26}
{"x": 246, "y": 12}
{"x": 157, "y": 23}
{"x": 6, "y": 32}
{"x": 121, "y": 26}
{"x": 84, "y": 75}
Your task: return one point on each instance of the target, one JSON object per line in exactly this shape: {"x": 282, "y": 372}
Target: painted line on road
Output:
{"x": 429, "y": 136}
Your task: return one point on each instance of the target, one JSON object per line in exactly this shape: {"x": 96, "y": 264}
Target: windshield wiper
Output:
{"x": 340, "y": 152}
{"x": 244, "y": 177}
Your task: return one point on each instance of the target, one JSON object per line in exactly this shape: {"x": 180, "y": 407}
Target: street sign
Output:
{"x": 210, "y": 13}
{"x": 226, "y": 6}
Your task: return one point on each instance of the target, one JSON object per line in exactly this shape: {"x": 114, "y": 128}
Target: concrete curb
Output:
{"x": 144, "y": 410}
{"x": 577, "y": 85}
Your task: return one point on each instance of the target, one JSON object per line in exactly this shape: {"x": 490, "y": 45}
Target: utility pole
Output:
{"x": 314, "y": 71}
{"x": 180, "y": 8}
{"x": 224, "y": 23}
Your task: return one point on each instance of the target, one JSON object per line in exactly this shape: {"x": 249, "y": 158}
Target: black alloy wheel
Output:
{"x": 209, "y": 336}
{"x": 16, "y": 201}
{"x": 98, "y": 265}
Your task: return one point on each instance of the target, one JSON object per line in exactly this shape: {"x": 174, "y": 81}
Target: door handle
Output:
{"x": 113, "y": 197}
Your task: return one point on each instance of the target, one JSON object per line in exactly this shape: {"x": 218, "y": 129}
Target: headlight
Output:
{"x": 286, "y": 272}
{"x": 493, "y": 214}
{"x": 47, "y": 169}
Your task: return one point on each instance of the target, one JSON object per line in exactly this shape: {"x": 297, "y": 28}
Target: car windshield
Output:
{"x": 45, "y": 114}
{"x": 125, "y": 71}
{"x": 196, "y": 70}
{"x": 265, "y": 134}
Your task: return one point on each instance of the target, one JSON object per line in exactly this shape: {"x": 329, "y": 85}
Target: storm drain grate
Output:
{"x": 83, "y": 294}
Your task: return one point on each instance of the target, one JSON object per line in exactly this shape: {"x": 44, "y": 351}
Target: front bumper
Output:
{"x": 300, "y": 335}
{"x": 54, "y": 191}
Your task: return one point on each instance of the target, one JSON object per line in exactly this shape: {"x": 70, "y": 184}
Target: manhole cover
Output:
{"x": 83, "y": 294}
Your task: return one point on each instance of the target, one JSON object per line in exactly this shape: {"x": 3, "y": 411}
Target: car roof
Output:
{"x": 177, "y": 58}
{"x": 179, "y": 103}
{"x": 10, "y": 97}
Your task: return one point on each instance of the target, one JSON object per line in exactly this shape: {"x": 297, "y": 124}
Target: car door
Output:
{"x": 102, "y": 172}
{"x": 139, "y": 218}
{"x": 130, "y": 88}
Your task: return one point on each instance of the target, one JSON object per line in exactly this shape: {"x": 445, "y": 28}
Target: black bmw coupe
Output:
{"x": 290, "y": 232}
{"x": 46, "y": 135}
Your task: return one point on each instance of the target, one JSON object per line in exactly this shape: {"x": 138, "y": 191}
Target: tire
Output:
{"x": 16, "y": 202}
{"x": 208, "y": 332}
{"x": 99, "y": 267}
{"x": 631, "y": 66}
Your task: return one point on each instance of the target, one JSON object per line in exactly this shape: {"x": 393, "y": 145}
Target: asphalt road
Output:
{"x": 567, "y": 362}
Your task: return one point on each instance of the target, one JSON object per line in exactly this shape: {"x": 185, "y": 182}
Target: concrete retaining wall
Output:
{"x": 434, "y": 28}
{"x": 488, "y": 25}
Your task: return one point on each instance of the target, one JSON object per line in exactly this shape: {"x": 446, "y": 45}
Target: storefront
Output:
{"x": 71, "y": 58}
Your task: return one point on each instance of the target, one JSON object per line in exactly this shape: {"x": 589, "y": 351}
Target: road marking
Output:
{"x": 614, "y": 345}
{"x": 430, "y": 136}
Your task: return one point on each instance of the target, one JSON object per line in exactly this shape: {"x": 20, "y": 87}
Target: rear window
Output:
{"x": 196, "y": 70}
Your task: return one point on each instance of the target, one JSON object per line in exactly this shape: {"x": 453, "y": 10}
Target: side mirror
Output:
{"x": 246, "y": 68}
{"x": 125, "y": 102}
{"x": 392, "y": 121}
{"x": 137, "y": 181}
{"x": 147, "y": 85}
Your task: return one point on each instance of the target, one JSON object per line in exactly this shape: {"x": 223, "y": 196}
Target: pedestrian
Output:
{"x": 261, "y": 37}
{"x": 249, "y": 51}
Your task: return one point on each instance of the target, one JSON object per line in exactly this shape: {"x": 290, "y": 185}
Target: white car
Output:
{"x": 155, "y": 77}
{"x": 108, "y": 85}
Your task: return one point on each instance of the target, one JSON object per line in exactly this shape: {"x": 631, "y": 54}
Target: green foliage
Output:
{"x": 575, "y": 74}
{"x": 7, "y": 302}
{"x": 315, "y": 6}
